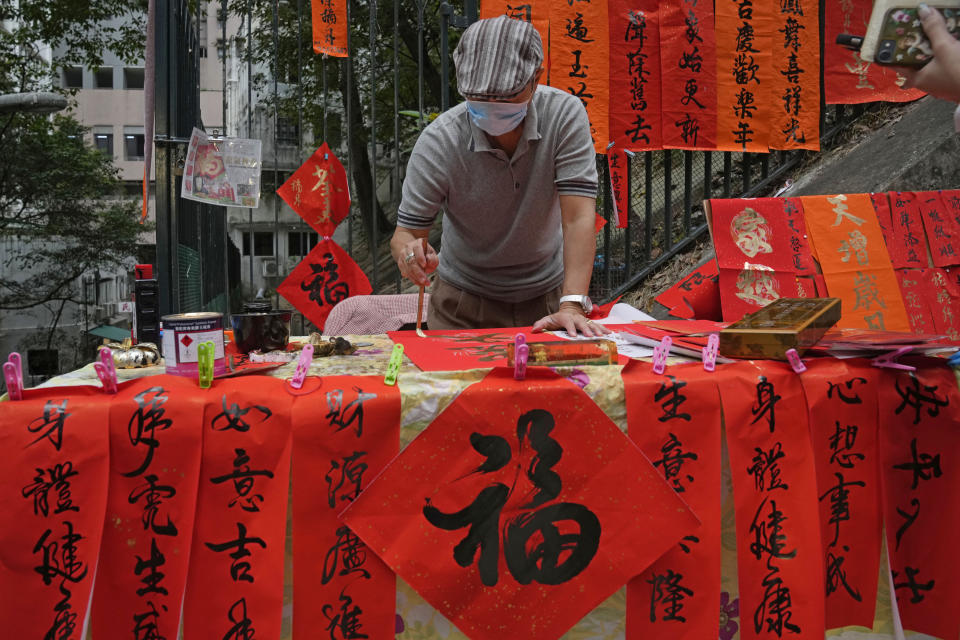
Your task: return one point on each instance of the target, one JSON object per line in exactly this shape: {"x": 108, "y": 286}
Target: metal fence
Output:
{"x": 370, "y": 107}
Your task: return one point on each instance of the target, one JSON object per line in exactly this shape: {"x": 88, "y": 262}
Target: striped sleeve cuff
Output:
{"x": 577, "y": 188}
{"x": 410, "y": 221}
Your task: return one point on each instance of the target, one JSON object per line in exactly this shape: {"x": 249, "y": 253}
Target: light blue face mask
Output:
{"x": 497, "y": 118}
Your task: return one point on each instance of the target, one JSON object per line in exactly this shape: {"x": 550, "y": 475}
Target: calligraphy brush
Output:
{"x": 420, "y": 332}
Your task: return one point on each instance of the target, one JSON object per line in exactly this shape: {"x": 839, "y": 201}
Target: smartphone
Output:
{"x": 901, "y": 40}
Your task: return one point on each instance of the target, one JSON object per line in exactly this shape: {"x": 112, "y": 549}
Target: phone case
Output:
{"x": 889, "y": 16}
{"x": 902, "y": 41}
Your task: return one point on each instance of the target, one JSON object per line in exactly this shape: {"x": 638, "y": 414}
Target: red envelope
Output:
{"x": 318, "y": 191}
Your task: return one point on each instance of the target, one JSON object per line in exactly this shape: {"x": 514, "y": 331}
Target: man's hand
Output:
{"x": 571, "y": 319}
{"x": 941, "y": 76}
{"x": 415, "y": 258}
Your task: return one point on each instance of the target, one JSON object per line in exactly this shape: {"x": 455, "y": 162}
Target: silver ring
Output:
{"x": 410, "y": 257}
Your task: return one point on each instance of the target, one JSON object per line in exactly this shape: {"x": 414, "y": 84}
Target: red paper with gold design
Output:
{"x": 344, "y": 434}
{"x": 942, "y": 229}
{"x": 473, "y": 512}
{"x": 465, "y": 349}
{"x": 779, "y": 557}
{"x": 919, "y": 447}
{"x": 55, "y": 463}
{"x": 754, "y": 231}
{"x": 842, "y": 409}
{"x": 235, "y": 581}
{"x": 676, "y": 597}
{"x": 329, "y": 18}
{"x": 688, "y": 63}
{"x": 909, "y": 250}
{"x": 917, "y": 299}
{"x": 322, "y": 279}
{"x": 847, "y": 78}
{"x": 318, "y": 191}
{"x": 943, "y": 295}
{"x": 155, "y": 444}
{"x": 801, "y": 253}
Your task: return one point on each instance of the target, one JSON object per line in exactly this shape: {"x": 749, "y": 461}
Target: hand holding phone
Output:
{"x": 941, "y": 75}
{"x": 902, "y": 40}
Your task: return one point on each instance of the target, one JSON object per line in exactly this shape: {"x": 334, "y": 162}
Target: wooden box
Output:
{"x": 787, "y": 323}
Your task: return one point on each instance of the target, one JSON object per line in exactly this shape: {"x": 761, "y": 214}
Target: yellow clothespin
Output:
{"x": 205, "y": 364}
{"x": 393, "y": 368}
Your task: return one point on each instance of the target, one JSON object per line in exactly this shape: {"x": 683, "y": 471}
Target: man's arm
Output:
{"x": 414, "y": 241}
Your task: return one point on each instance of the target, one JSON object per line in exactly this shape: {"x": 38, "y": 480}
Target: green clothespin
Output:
{"x": 205, "y": 364}
{"x": 393, "y": 368}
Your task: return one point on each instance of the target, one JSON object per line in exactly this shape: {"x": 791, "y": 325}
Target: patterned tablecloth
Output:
{"x": 424, "y": 395}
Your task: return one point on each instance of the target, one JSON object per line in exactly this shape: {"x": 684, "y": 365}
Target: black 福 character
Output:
{"x": 324, "y": 284}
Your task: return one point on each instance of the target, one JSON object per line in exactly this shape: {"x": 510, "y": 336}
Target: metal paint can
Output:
{"x": 183, "y": 333}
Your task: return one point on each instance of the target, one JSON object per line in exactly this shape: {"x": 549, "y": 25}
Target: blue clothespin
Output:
{"x": 205, "y": 364}
{"x": 889, "y": 360}
{"x": 660, "y": 353}
{"x": 393, "y": 367}
{"x": 954, "y": 360}
{"x": 106, "y": 370}
{"x": 795, "y": 362}
{"x": 13, "y": 376}
{"x": 303, "y": 367}
{"x": 709, "y": 352}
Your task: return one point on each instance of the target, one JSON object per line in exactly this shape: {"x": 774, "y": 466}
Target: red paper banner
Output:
{"x": 755, "y": 231}
{"x": 235, "y": 582}
{"x": 745, "y": 106}
{"x": 322, "y": 279}
{"x": 580, "y": 60}
{"x": 906, "y": 221}
{"x": 847, "y": 78}
{"x": 677, "y": 597}
{"x": 344, "y": 434}
{"x": 696, "y": 296}
{"x": 634, "y": 75}
{"x": 842, "y": 402}
{"x": 54, "y": 462}
{"x": 535, "y": 12}
{"x": 462, "y": 350}
{"x": 617, "y": 162}
{"x": 801, "y": 254}
{"x": 795, "y": 83}
{"x": 941, "y": 293}
{"x": 155, "y": 444}
{"x": 919, "y": 445}
{"x": 917, "y": 299}
{"x": 943, "y": 229}
{"x": 779, "y": 557}
{"x": 881, "y": 205}
{"x": 318, "y": 191}
{"x": 513, "y": 505}
{"x": 744, "y": 291}
{"x": 688, "y": 67}
{"x": 329, "y": 19}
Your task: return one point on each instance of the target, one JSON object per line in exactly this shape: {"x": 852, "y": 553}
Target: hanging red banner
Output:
{"x": 323, "y": 278}
{"x": 635, "y": 75}
{"x": 617, "y": 162}
{"x": 942, "y": 228}
{"x": 155, "y": 444}
{"x": 329, "y": 19}
{"x": 688, "y": 63}
{"x": 697, "y": 295}
{"x": 235, "y": 581}
{"x": 745, "y": 90}
{"x": 842, "y": 409}
{"x": 919, "y": 445}
{"x": 462, "y": 350}
{"x": 535, "y": 12}
{"x": 54, "y": 464}
{"x": 847, "y": 78}
{"x": 343, "y": 435}
{"x": 318, "y": 191}
{"x": 509, "y": 513}
{"x": 909, "y": 250}
{"x": 676, "y": 597}
{"x": 779, "y": 557}
{"x": 580, "y": 60}
{"x": 795, "y": 82}
{"x": 917, "y": 299}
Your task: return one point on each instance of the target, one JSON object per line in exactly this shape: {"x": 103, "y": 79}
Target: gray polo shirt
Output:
{"x": 502, "y": 237}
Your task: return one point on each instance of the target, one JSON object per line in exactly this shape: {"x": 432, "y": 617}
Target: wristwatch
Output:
{"x": 583, "y": 301}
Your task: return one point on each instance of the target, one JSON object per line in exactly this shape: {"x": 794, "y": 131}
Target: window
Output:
{"x": 133, "y": 78}
{"x": 103, "y": 78}
{"x": 288, "y": 133}
{"x": 133, "y": 143}
{"x": 299, "y": 243}
{"x": 43, "y": 362}
{"x": 103, "y": 140}
{"x": 262, "y": 243}
{"x": 73, "y": 78}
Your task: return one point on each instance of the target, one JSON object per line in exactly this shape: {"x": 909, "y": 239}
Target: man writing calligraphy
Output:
{"x": 514, "y": 170}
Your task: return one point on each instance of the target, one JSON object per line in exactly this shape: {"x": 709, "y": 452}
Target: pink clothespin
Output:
{"x": 106, "y": 371}
{"x": 660, "y": 353}
{"x": 520, "y": 353}
{"x": 889, "y": 360}
{"x": 795, "y": 362}
{"x": 709, "y": 352}
{"x": 303, "y": 366}
{"x": 13, "y": 376}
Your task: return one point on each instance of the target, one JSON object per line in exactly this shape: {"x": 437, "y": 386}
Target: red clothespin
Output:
{"x": 303, "y": 366}
{"x": 520, "y": 353}
{"x": 889, "y": 360}
{"x": 795, "y": 362}
{"x": 106, "y": 371}
{"x": 13, "y": 376}
{"x": 709, "y": 352}
{"x": 660, "y": 353}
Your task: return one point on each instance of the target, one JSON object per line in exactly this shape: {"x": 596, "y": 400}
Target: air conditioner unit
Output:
{"x": 269, "y": 268}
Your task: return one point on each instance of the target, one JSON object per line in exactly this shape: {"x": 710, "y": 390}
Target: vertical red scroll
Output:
{"x": 635, "y": 74}
{"x": 795, "y": 83}
{"x": 688, "y": 59}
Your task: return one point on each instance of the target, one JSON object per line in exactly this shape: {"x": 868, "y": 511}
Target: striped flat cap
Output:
{"x": 496, "y": 58}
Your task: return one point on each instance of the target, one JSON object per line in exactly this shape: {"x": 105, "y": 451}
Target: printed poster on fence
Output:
{"x": 223, "y": 172}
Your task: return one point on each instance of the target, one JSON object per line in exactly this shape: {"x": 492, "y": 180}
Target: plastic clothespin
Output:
{"x": 709, "y": 352}
{"x": 106, "y": 371}
{"x": 610, "y": 146}
{"x": 660, "y": 353}
{"x": 954, "y": 360}
{"x": 520, "y": 355}
{"x": 889, "y": 360}
{"x": 795, "y": 362}
{"x": 393, "y": 367}
{"x": 303, "y": 366}
{"x": 13, "y": 376}
{"x": 205, "y": 364}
